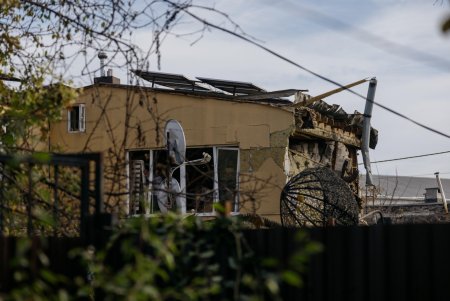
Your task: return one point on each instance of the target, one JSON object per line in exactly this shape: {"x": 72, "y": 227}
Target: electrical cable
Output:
{"x": 410, "y": 157}
{"x": 428, "y": 174}
{"x": 276, "y": 54}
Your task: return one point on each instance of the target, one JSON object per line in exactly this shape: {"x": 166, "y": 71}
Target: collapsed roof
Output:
{"x": 313, "y": 116}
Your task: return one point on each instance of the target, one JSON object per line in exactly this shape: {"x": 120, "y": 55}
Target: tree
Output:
{"x": 41, "y": 39}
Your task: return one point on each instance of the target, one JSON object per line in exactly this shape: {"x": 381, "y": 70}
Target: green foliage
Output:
{"x": 29, "y": 190}
{"x": 175, "y": 259}
{"x": 32, "y": 275}
{"x": 28, "y": 111}
{"x": 167, "y": 258}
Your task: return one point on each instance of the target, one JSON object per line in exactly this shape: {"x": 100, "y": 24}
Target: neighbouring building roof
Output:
{"x": 405, "y": 187}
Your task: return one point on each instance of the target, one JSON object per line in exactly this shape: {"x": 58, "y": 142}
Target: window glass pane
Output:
{"x": 74, "y": 115}
{"x": 162, "y": 201}
{"x": 199, "y": 181}
{"x": 227, "y": 171}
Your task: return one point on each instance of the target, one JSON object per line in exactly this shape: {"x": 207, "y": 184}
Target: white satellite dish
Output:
{"x": 175, "y": 142}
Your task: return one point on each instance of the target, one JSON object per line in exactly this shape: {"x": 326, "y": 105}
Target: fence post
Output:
{"x": 99, "y": 184}
{"x": 55, "y": 201}
{"x": 84, "y": 198}
{"x": 29, "y": 205}
{"x": 2, "y": 199}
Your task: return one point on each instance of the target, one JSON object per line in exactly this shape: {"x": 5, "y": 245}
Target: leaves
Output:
{"x": 135, "y": 265}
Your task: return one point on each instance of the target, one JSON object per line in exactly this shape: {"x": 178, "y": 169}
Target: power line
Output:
{"x": 429, "y": 174}
{"x": 410, "y": 157}
{"x": 276, "y": 54}
{"x": 426, "y": 175}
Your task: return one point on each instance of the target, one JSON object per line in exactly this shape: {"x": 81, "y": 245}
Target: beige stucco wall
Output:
{"x": 206, "y": 121}
{"x": 118, "y": 119}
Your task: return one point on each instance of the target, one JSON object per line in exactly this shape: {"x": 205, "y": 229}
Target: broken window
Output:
{"x": 76, "y": 118}
{"x": 227, "y": 175}
{"x": 200, "y": 184}
{"x": 200, "y": 181}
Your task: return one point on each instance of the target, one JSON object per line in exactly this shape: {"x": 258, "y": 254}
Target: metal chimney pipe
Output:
{"x": 444, "y": 200}
{"x": 102, "y": 56}
{"x": 365, "y": 138}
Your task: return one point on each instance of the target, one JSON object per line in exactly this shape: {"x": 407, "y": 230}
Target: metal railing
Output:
{"x": 47, "y": 184}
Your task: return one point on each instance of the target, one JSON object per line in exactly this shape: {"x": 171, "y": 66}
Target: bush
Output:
{"x": 170, "y": 258}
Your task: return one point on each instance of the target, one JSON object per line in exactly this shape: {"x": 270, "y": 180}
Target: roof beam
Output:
{"x": 329, "y": 93}
{"x": 269, "y": 95}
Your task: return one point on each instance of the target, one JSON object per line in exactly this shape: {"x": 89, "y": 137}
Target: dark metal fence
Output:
{"x": 49, "y": 194}
{"x": 385, "y": 262}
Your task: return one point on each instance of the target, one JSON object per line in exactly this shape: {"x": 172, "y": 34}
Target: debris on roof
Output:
{"x": 173, "y": 81}
{"x": 332, "y": 120}
{"x": 312, "y": 114}
{"x": 233, "y": 87}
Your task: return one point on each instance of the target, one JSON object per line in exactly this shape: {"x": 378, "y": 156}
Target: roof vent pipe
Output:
{"x": 444, "y": 200}
{"x": 365, "y": 139}
{"x": 102, "y": 56}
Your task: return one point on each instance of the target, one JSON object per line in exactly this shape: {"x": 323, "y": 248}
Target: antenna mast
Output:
{"x": 102, "y": 56}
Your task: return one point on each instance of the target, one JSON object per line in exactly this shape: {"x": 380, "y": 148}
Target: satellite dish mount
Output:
{"x": 176, "y": 151}
{"x": 176, "y": 156}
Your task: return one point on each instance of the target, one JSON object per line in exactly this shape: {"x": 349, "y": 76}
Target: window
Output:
{"x": 76, "y": 121}
{"x": 201, "y": 185}
{"x": 200, "y": 181}
{"x": 227, "y": 177}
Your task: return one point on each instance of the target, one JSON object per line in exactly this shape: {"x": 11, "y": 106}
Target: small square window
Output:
{"x": 76, "y": 121}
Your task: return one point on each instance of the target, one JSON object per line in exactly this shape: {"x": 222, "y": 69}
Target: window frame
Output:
{"x": 216, "y": 197}
{"x": 81, "y": 122}
{"x": 217, "y": 149}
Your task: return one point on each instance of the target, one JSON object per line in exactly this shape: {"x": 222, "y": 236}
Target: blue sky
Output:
{"x": 413, "y": 86}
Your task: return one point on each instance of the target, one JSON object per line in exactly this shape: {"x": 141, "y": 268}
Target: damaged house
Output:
{"x": 256, "y": 140}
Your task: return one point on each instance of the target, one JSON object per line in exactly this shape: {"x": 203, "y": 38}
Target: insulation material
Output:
{"x": 309, "y": 154}
{"x": 332, "y": 154}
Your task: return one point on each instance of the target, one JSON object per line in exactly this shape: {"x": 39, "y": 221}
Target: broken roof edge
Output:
{"x": 330, "y": 134}
{"x": 314, "y": 121}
